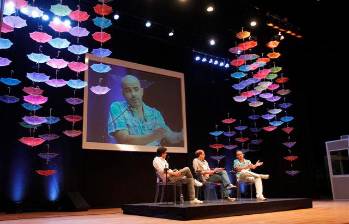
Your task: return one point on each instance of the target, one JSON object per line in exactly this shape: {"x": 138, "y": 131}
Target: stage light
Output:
{"x": 197, "y": 58}
{"x": 67, "y": 22}
{"x": 215, "y": 62}
{"x": 253, "y": 23}
{"x": 204, "y": 60}
{"x": 212, "y": 42}
{"x": 226, "y": 65}
{"x": 56, "y": 20}
{"x": 171, "y": 33}
{"x": 116, "y": 16}
{"x": 45, "y": 17}
{"x": 270, "y": 24}
{"x": 210, "y": 61}
{"x": 282, "y": 37}
{"x": 279, "y": 33}
{"x": 210, "y": 8}
{"x": 239, "y": 52}
{"x": 148, "y": 24}
{"x": 221, "y": 64}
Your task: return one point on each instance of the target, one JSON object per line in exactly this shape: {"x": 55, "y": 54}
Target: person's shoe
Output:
{"x": 230, "y": 186}
{"x": 195, "y": 201}
{"x": 264, "y": 176}
{"x": 261, "y": 198}
{"x": 230, "y": 199}
{"x": 197, "y": 183}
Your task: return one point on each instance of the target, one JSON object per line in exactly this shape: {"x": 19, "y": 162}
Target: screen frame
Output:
{"x": 126, "y": 147}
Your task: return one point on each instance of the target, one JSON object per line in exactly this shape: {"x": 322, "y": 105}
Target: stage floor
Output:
{"x": 213, "y": 209}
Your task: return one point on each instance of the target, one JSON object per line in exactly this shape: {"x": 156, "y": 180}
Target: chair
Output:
{"x": 239, "y": 183}
{"x": 161, "y": 184}
{"x": 208, "y": 185}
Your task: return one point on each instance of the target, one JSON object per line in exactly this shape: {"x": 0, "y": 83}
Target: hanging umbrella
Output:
{"x": 285, "y": 105}
{"x": 56, "y": 82}
{"x": 235, "y": 50}
{"x": 46, "y": 173}
{"x": 72, "y": 133}
{"x": 229, "y": 133}
{"x": 216, "y": 133}
{"x": 260, "y": 88}
{"x": 59, "y": 27}
{"x": 73, "y": 118}
{"x": 35, "y": 99}
{"x": 255, "y": 130}
{"x": 49, "y": 137}
{"x": 247, "y": 94}
{"x": 256, "y": 141}
{"x": 101, "y": 37}
{"x": 243, "y": 35}
{"x": 228, "y": 120}
{"x": 79, "y": 16}
{"x": 254, "y": 117}
{"x": 38, "y": 58}
{"x": 34, "y": 120}
{"x": 60, "y": 10}
{"x": 245, "y": 68}
{"x": 5, "y": 43}
{"x": 291, "y": 158}
{"x": 281, "y": 80}
{"x": 47, "y": 155}
{"x": 57, "y": 63}
{"x": 38, "y": 77}
{"x": 276, "y": 69}
{"x": 242, "y": 140}
{"x": 101, "y": 68}
{"x": 274, "y": 111}
{"x": 269, "y": 128}
{"x": 265, "y": 84}
{"x": 103, "y": 9}
{"x": 268, "y": 116}
{"x": 10, "y": 81}
{"x": 241, "y": 128}
{"x": 217, "y": 158}
{"x": 274, "y": 99}
{"x": 20, "y": 3}
{"x": 273, "y": 86}
{"x": 265, "y": 60}
{"x": 271, "y": 76}
{"x": 237, "y": 62}
{"x": 4, "y": 61}
{"x": 284, "y": 92}
{"x": 255, "y": 104}
{"x": 216, "y": 146}
{"x": 273, "y": 44}
{"x": 40, "y": 37}
{"x": 288, "y": 130}
{"x": 276, "y": 123}
{"x": 8, "y": 99}
{"x": 239, "y": 98}
{"x": 238, "y": 75}
{"x": 78, "y": 49}
{"x": 289, "y": 144}
{"x": 74, "y": 101}
{"x": 6, "y": 28}
{"x": 52, "y": 120}
{"x": 100, "y": 90}
{"x": 253, "y": 99}
{"x": 292, "y": 172}
{"x": 247, "y": 45}
{"x": 31, "y": 107}
{"x": 274, "y": 55}
{"x": 77, "y": 83}
{"x": 78, "y": 31}
{"x": 28, "y": 126}
{"x": 248, "y": 57}
{"x": 31, "y": 141}
{"x": 230, "y": 147}
{"x": 101, "y": 52}
{"x": 266, "y": 95}
{"x": 239, "y": 86}
{"x": 287, "y": 118}
{"x": 102, "y": 22}
{"x": 59, "y": 43}
{"x": 14, "y": 21}
{"x": 77, "y": 66}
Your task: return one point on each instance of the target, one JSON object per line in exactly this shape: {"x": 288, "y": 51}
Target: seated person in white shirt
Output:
{"x": 201, "y": 167}
{"x": 184, "y": 175}
{"x": 243, "y": 168}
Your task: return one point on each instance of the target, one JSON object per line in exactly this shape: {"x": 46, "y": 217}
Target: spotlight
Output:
{"x": 253, "y": 23}
{"x": 197, "y": 58}
{"x": 56, "y": 20}
{"x": 210, "y": 8}
{"x": 148, "y": 24}
{"x": 212, "y": 42}
{"x": 204, "y": 60}
{"x": 66, "y": 22}
{"x": 215, "y": 62}
{"x": 282, "y": 37}
{"x": 210, "y": 61}
{"x": 279, "y": 33}
{"x": 45, "y": 17}
{"x": 221, "y": 64}
{"x": 116, "y": 16}
{"x": 226, "y": 65}
{"x": 171, "y": 33}
{"x": 239, "y": 52}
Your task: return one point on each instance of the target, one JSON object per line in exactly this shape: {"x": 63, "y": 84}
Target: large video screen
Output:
{"x": 144, "y": 108}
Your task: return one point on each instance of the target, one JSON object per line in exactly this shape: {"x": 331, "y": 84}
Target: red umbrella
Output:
{"x": 269, "y": 128}
{"x": 242, "y": 139}
{"x": 77, "y": 66}
{"x": 237, "y": 62}
{"x": 46, "y": 172}
{"x": 273, "y": 86}
{"x": 291, "y": 158}
{"x": 103, "y": 9}
{"x": 281, "y": 80}
{"x": 73, "y": 118}
{"x": 247, "y": 94}
{"x": 247, "y": 45}
{"x": 31, "y": 141}
{"x": 33, "y": 90}
{"x": 101, "y": 36}
{"x": 217, "y": 146}
{"x": 79, "y": 16}
{"x": 229, "y": 121}
{"x": 287, "y": 130}
{"x": 40, "y": 37}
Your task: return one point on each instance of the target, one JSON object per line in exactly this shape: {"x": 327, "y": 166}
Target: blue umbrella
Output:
{"x": 102, "y": 22}
{"x": 287, "y": 118}
{"x": 268, "y": 116}
{"x": 31, "y": 107}
{"x": 241, "y": 128}
{"x": 77, "y": 49}
{"x": 101, "y": 68}
{"x": 38, "y": 77}
{"x": 285, "y": 105}
{"x": 255, "y": 130}
{"x": 238, "y": 75}
{"x": 10, "y": 81}
{"x": 254, "y": 117}
{"x": 38, "y": 58}
{"x": 76, "y": 83}
{"x": 101, "y": 52}
{"x": 276, "y": 123}
{"x": 5, "y": 43}
{"x": 216, "y": 133}
{"x": 8, "y": 99}
{"x": 59, "y": 43}
{"x": 52, "y": 120}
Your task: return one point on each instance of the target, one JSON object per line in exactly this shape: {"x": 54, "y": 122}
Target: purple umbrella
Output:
{"x": 74, "y": 101}
{"x": 100, "y": 90}
{"x": 56, "y": 82}
{"x": 8, "y": 99}
{"x": 38, "y": 77}
{"x": 34, "y": 120}
{"x": 289, "y": 144}
{"x": 4, "y": 61}
{"x": 268, "y": 116}
{"x": 78, "y": 31}
{"x": 229, "y": 133}
{"x": 49, "y": 137}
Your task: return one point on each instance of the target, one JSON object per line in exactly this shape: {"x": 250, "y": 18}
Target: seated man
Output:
{"x": 243, "y": 168}
{"x": 160, "y": 164}
{"x": 201, "y": 166}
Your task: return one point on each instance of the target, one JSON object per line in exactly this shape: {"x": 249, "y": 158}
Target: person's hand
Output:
{"x": 159, "y": 133}
{"x": 258, "y": 163}
{"x": 218, "y": 170}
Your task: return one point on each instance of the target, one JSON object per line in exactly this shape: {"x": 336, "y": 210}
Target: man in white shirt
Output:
{"x": 184, "y": 175}
{"x": 201, "y": 166}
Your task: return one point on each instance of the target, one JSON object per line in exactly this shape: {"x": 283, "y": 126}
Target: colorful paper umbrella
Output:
{"x": 248, "y": 57}
{"x": 102, "y": 9}
{"x": 78, "y": 31}
{"x": 73, "y": 118}
{"x": 245, "y": 68}
{"x": 31, "y": 107}
{"x": 268, "y": 116}
{"x": 273, "y": 44}
{"x": 40, "y": 37}
{"x": 100, "y": 90}
{"x": 291, "y": 158}
{"x": 243, "y": 34}
{"x": 247, "y": 45}
{"x": 287, "y": 118}
{"x": 59, "y": 27}
{"x": 273, "y": 86}
{"x": 8, "y": 99}
{"x": 241, "y": 128}
{"x": 242, "y": 140}
{"x": 6, "y": 28}
{"x": 28, "y": 126}
{"x": 5, "y": 43}
{"x": 288, "y": 130}
{"x": 238, "y": 75}
{"x": 285, "y": 105}
{"x": 47, "y": 155}
{"x": 101, "y": 37}
{"x": 269, "y": 128}
{"x": 274, "y": 111}
{"x": 77, "y": 83}
{"x": 56, "y": 82}
{"x": 237, "y": 62}
{"x": 289, "y": 144}
{"x": 274, "y": 99}
{"x": 284, "y": 92}
{"x": 239, "y": 98}
{"x": 265, "y": 60}
{"x": 49, "y": 137}
{"x": 256, "y": 141}
{"x": 254, "y": 117}
{"x": 38, "y": 77}
{"x": 274, "y": 55}
{"x": 4, "y": 61}
{"x": 74, "y": 101}
{"x": 101, "y": 68}
{"x": 255, "y": 130}
{"x": 235, "y": 50}
{"x": 101, "y": 52}
{"x": 57, "y": 63}
{"x": 271, "y": 76}
{"x": 266, "y": 95}
{"x": 34, "y": 120}
{"x": 276, "y": 123}
{"x": 247, "y": 94}
{"x": 229, "y": 133}
{"x": 72, "y": 133}
{"x": 292, "y": 172}
{"x": 32, "y": 11}
{"x": 77, "y": 49}
{"x": 230, "y": 147}
{"x": 102, "y": 22}
{"x": 216, "y": 146}
{"x": 10, "y": 81}
{"x": 281, "y": 80}
{"x": 256, "y": 104}
{"x": 31, "y": 141}
{"x": 14, "y": 21}
{"x": 239, "y": 86}
{"x": 52, "y": 120}
{"x": 46, "y": 173}
{"x": 20, "y": 3}
{"x": 60, "y": 10}
{"x": 38, "y": 58}
{"x": 260, "y": 88}
{"x": 59, "y": 43}
{"x": 35, "y": 99}
{"x": 8, "y": 10}
{"x": 217, "y": 158}
{"x": 216, "y": 133}
{"x": 77, "y": 66}
{"x": 79, "y": 16}
{"x": 276, "y": 69}
{"x": 228, "y": 120}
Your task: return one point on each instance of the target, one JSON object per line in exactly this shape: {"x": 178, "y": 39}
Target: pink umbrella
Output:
{"x": 269, "y": 128}
{"x": 242, "y": 140}
{"x": 35, "y": 99}
{"x": 73, "y": 118}
{"x": 40, "y": 37}
{"x": 4, "y": 61}
{"x": 59, "y": 27}
{"x": 229, "y": 121}
{"x": 20, "y": 3}
{"x": 31, "y": 141}
{"x": 33, "y": 90}
{"x": 56, "y": 82}
{"x": 72, "y": 133}
{"x": 6, "y": 28}
{"x": 79, "y": 16}
{"x": 237, "y": 62}
{"x": 77, "y": 66}
{"x": 46, "y": 173}
{"x": 100, "y": 90}
{"x": 235, "y": 50}
{"x": 287, "y": 130}
{"x": 57, "y": 63}
{"x": 78, "y": 31}
{"x": 247, "y": 94}
{"x": 273, "y": 86}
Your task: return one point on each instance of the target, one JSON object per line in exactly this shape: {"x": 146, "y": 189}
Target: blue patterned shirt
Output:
{"x": 121, "y": 118}
{"x": 237, "y": 164}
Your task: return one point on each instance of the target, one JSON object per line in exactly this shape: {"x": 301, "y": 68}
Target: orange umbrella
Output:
{"x": 243, "y": 34}
{"x": 273, "y": 44}
{"x": 274, "y": 55}
{"x": 265, "y": 60}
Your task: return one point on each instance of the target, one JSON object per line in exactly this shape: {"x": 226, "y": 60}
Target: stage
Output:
{"x": 215, "y": 209}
